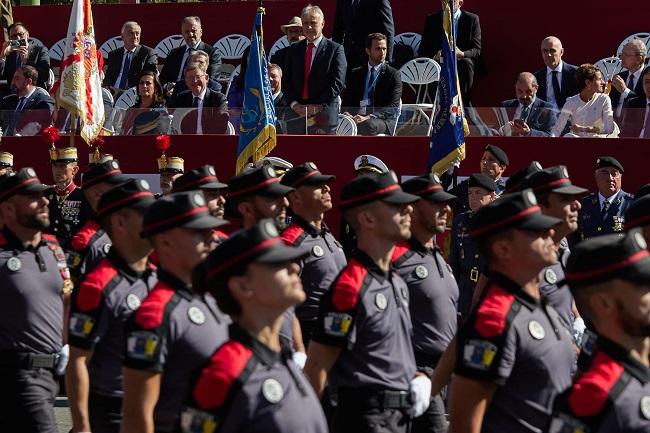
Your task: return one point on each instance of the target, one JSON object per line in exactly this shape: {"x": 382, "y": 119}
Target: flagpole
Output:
{"x": 73, "y": 128}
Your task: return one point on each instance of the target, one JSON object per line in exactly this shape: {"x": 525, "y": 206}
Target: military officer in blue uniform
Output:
{"x": 609, "y": 276}
{"x": 603, "y": 211}
{"x": 638, "y": 216}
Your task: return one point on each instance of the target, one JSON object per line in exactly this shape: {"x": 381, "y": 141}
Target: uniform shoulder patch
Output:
{"x": 50, "y": 238}
{"x": 82, "y": 238}
{"x": 400, "y": 249}
{"x": 293, "y": 234}
{"x": 215, "y": 381}
{"x": 589, "y": 392}
{"x": 91, "y": 288}
{"x": 492, "y": 312}
{"x": 152, "y": 310}
{"x": 348, "y": 285}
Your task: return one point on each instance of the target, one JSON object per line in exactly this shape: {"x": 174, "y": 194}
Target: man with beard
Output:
{"x": 35, "y": 281}
{"x": 609, "y": 278}
{"x": 532, "y": 117}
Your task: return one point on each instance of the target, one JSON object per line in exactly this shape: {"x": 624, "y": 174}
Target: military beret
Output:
{"x": 643, "y": 191}
{"x": 498, "y": 153}
{"x": 366, "y": 189}
{"x": 370, "y": 163}
{"x": 552, "y": 179}
{"x": 513, "y": 183}
{"x": 427, "y": 187}
{"x": 609, "y": 161}
{"x": 604, "y": 258}
{"x": 204, "y": 177}
{"x": 133, "y": 194}
{"x": 638, "y": 214}
{"x": 481, "y": 181}
{"x": 305, "y": 174}
{"x": 261, "y": 181}
{"x": 517, "y": 210}
{"x": 23, "y": 181}
{"x": 108, "y": 172}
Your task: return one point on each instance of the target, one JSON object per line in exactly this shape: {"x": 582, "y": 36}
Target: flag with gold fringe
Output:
{"x": 257, "y": 135}
{"x": 447, "y": 146}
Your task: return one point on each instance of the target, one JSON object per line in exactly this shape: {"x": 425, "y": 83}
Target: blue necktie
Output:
{"x": 124, "y": 79}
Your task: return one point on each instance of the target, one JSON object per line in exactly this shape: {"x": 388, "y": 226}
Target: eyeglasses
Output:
{"x": 19, "y": 35}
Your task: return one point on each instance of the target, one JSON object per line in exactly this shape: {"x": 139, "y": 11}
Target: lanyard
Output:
{"x": 370, "y": 85}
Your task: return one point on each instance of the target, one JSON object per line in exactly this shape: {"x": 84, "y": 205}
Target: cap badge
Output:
{"x": 436, "y": 178}
{"x": 311, "y": 166}
{"x": 317, "y": 251}
{"x": 198, "y": 199}
{"x": 565, "y": 172}
{"x": 393, "y": 176}
{"x": 143, "y": 184}
{"x": 640, "y": 241}
{"x": 30, "y": 172}
{"x": 645, "y": 406}
{"x": 269, "y": 171}
{"x": 530, "y": 197}
{"x": 211, "y": 171}
{"x": 421, "y": 272}
{"x": 364, "y": 160}
{"x": 133, "y": 302}
{"x": 380, "y": 301}
{"x": 106, "y": 248}
{"x": 114, "y": 165}
{"x": 270, "y": 229}
{"x": 196, "y": 315}
{"x": 536, "y": 330}
{"x": 537, "y": 165}
{"x": 550, "y": 276}
{"x": 272, "y": 390}
{"x": 14, "y": 264}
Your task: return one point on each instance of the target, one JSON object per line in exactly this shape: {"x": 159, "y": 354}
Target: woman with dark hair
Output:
{"x": 148, "y": 115}
{"x": 590, "y": 111}
{"x": 150, "y": 91}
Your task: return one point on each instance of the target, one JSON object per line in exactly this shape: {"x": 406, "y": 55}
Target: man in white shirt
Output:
{"x": 627, "y": 84}
{"x": 557, "y": 80}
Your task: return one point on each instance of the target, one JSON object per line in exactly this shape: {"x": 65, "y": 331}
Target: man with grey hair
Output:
{"x": 557, "y": 80}
{"x": 202, "y": 58}
{"x": 175, "y": 63}
{"x": 126, "y": 63}
{"x": 532, "y": 116}
{"x": 628, "y": 84}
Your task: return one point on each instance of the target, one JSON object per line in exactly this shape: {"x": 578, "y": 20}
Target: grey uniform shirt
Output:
{"x": 366, "y": 312}
{"x": 31, "y": 310}
{"x": 87, "y": 247}
{"x": 553, "y": 287}
{"x": 107, "y": 296}
{"x": 521, "y": 345}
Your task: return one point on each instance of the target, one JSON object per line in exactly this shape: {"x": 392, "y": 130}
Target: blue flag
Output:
{"x": 257, "y": 123}
{"x": 448, "y": 137}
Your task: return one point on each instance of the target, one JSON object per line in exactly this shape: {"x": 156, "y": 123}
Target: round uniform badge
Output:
{"x": 14, "y": 264}
{"x": 317, "y": 251}
{"x": 132, "y": 301}
{"x": 107, "y": 248}
{"x": 421, "y": 272}
{"x": 645, "y": 406}
{"x": 196, "y": 315}
{"x": 550, "y": 276}
{"x": 272, "y": 390}
{"x": 536, "y": 330}
{"x": 380, "y": 301}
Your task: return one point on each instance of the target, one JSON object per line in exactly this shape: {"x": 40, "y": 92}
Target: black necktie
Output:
{"x": 124, "y": 79}
{"x": 556, "y": 88}
{"x": 195, "y": 102}
{"x": 603, "y": 212}
{"x": 630, "y": 82}
{"x": 21, "y": 103}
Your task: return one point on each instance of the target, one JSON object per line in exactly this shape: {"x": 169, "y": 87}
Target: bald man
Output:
{"x": 557, "y": 80}
{"x": 532, "y": 116}
{"x": 628, "y": 84}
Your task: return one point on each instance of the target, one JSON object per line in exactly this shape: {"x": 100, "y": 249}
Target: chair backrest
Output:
{"x": 411, "y": 39}
{"x": 112, "y": 44}
{"x": 35, "y": 41}
{"x": 230, "y": 129}
{"x": 232, "y": 47}
{"x": 234, "y": 74}
{"x": 609, "y": 66}
{"x": 166, "y": 45}
{"x": 278, "y": 45}
{"x": 346, "y": 125}
{"x": 50, "y": 79}
{"x": 108, "y": 95}
{"x": 420, "y": 71}
{"x": 58, "y": 50}
{"x": 127, "y": 98}
{"x": 645, "y": 37}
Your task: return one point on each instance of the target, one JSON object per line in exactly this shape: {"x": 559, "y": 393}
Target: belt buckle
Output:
{"x": 473, "y": 274}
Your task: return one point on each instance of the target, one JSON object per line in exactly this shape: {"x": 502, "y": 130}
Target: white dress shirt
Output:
{"x": 199, "y": 111}
{"x": 119, "y": 77}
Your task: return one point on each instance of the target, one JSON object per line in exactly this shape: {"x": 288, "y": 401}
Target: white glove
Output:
{"x": 579, "y": 328}
{"x": 420, "y": 390}
{"x": 299, "y": 358}
{"x": 64, "y": 356}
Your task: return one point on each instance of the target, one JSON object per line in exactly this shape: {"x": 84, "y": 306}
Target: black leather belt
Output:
{"x": 28, "y": 360}
{"x": 374, "y": 398}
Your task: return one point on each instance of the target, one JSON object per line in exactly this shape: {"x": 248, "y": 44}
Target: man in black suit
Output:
{"x": 468, "y": 45}
{"x": 293, "y": 31}
{"x": 636, "y": 114}
{"x": 627, "y": 84}
{"x": 27, "y": 97}
{"x": 376, "y": 88}
{"x": 279, "y": 100}
{"x": 532, "y": 116}
{"x": 312, "y": 88}
{"x": 126, "y": 63}
{"x": 557, "y": 81}
{"x": 172, "y": 70}
{"x": 355, "y": 20}
{"x": 18, "y": 51}
{"x": 202, "y": 58}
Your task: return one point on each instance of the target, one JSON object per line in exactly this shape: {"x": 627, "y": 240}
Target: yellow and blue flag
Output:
{"x": 257, "y": 123}
{"x": 447, "y": 146}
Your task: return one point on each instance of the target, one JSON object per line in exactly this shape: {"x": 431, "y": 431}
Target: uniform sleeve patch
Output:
{"x": 479, "y": 354}
{"x": 348, "y": 285}
{"x": 152, "y": 311}
{"x": 291, "y": 234}
{"x": 226, "y": 365}
{"x": 590, "y": 391}
{"x": 82, "y": 238}
{"x": 91, "y": 288}
{"x": 400, "y": 249}
{"x": 492, "y": 313}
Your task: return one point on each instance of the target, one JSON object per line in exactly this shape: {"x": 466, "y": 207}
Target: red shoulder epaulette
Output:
{"x": 50, "y": 238}
{"x": 400, "y": 249}
{"x": 225, "y": 366}
{"x": 292, "y": 234}
{"x": 492, "y": 312}
{"x": 589, "y": 393}
{"x": 348, "y": 285}
{"x": 82, "y": 238}
{"x": 91, "y": 288}
{"x": 152, "y": 310}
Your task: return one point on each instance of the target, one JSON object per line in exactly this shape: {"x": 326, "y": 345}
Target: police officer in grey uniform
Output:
{"x": 34, "y": 280}
{"x": 175, "y": 330}
{"x": 250, "y": 383}
{"x": 609, "y": 277}
{"x": 308, "y": 203}
{"x": 103, "y": 301}
{"x": 514, "y": 353}
{"x": 363, "y": 340}
{"x": 638, "y": 216}
{"x": 433, "y": 291}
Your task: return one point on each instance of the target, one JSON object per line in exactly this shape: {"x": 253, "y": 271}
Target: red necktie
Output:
{"x": 308, "y": 57}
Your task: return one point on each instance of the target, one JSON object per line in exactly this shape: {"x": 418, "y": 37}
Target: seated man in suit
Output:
{"x": 27, "y": 97}
{"x": 280, "y": 102}
{"x": 18, "y": 51}
{"x": 126, "y": 63}
{"x": 293, "y": 31}
{"x": 313, "y": 77}
{"x": 202, "y": 58}
{"x": 557, "y": 81}
{"x": 376, "y": 88}
{"x": 532, "y": 116}
{"x": 636, "y": 114}
{"x": 175, "y": 62}
{"x": 627, "y": 84}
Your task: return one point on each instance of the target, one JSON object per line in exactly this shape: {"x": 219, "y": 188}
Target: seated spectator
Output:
{"x": 375, "y": 88}
{"x": 636, "y": 115}
{"x": 126, "y": 63}
{"x": 15, "y": 114}
{"x": 293, "y": 31}
{"x": 202, "y": 58}
{"x": 590, "y": 111}
{"x": 18, "y": 51}
{"x": 557, "y": 80}
{"x": 532, "y": 116}
{"x": 281, "y": 105}
{"x": 627, "y": 84}
{"x": 150, "y": 91}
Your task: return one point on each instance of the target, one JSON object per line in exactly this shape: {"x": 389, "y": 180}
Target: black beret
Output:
{"x": 482, "y": 181}
{"x": 427, "y": 187}
{"x": 305, "y": 174}
{"x": 498, "y": 153}
{"x": 609, "y": 161}
{"x": 366, "y": 189}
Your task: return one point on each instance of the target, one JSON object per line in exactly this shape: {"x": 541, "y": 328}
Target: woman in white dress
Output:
{"x": 590, "y": 111}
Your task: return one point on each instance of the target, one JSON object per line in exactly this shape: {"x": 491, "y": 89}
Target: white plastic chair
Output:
{"x": 58, "y": 50}
{"x": 166, "y": 45}
{"x": 230, "y": 129}
{"x": 112, "y": 44}
{"x": 278, "y": 45}
{"x": 346, "y": 125}
{"x": 645, "y": 37}
{"x": 231, "y": 78}
{"x": 50, "y": 80}
{"x": 108, "y": 95}
{"x": 418, "y": 74}
{"x": 230, "y": 48}
{"x": 127, "y": 98}
{"x": 609, "y": 66}
{"x": 410, "y": 39}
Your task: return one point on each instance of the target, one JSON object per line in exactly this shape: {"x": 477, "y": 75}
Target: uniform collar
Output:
{"x": 308, "y": 227}
{"x": 370, "y": 265}
{"x": 622, "y": 355}
{"x": 16, "y": 244}
{"x": 180, "y": 287}
{"x": 419, "y": 247}
{"x": 131, "y": 274}
{"x": 65, "y": 191}
{"x": 262, "y": 352}
{"x": 510, "y": 286}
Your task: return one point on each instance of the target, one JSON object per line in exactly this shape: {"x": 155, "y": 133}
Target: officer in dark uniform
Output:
{"x": 308, "y": 203}
{"x": 363, "y": 340}
{"x": 514, "y": 353}
{"x": 175, "y": 330}
{"x": 433, "y": 292}
{"x": 638, "y": 216}
{"x": 250, "y": 384}
{"x": 105, "y": 298}
{"x": 6, "y": 163}
{"x": 69, "y": 210}
{"x": 609, "y": 278}
{"x": 603, "y": 211}
{"x": 35, "y": 281}
{"x": 170, "y": 169}
{"x": 465, "y": 258}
